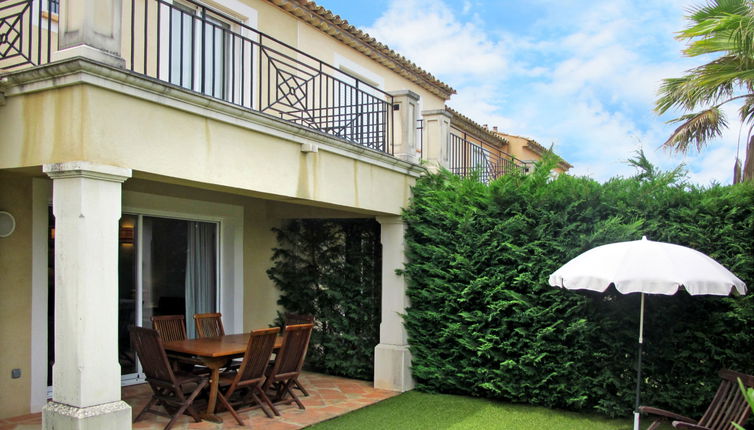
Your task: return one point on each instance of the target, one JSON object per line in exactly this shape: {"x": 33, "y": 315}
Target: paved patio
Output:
{"x": 330, "y": 396}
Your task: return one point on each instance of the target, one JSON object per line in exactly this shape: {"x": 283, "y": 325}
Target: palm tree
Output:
{"x": 724, "y": 28}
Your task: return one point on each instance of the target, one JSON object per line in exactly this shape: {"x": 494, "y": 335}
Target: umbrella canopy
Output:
{"x": 645, "y": 266}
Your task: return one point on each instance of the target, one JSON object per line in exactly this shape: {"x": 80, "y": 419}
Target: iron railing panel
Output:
{"x": 466, "y": 158}
{"x": 26, "y": 28}
{"x": 201, "y": 49}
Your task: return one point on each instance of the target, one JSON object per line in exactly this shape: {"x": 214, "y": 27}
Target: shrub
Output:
{"x": 483, "y": 320}
{"x": 332, "y": 269}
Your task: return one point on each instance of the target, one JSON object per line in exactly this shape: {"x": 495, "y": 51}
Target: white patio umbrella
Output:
{"x": 646, "y": 267}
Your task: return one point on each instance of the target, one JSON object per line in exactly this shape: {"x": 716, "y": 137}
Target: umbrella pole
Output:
{"x": 638, "y": 364}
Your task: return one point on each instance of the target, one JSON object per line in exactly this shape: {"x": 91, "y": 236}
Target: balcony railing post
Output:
{"x": 93, "y": 32}
{"x": 405, "y": 105}
{"x": 437, "y": 137}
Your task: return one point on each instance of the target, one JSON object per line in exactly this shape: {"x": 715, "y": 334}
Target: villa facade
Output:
{"x": 148, "y": 149}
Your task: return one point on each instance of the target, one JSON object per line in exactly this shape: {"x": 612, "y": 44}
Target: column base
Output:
{"x": 392, "y": 368}
{"x": 113, "y": 415}
{"x": 87, "y": 51}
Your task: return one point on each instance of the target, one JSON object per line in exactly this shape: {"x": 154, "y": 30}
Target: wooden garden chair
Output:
{"x": 247, "y": 380}
{"x": 727, "y": 407}
{"x": 295, "y": 319}
{"x": 209, "y": 324}
{"x": 170, "y": 327}
{"x": 284, "y": 373}
{"x": 169, "y": 388}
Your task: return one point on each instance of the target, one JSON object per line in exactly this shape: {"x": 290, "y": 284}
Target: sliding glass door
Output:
{"x": 166, "y": 266}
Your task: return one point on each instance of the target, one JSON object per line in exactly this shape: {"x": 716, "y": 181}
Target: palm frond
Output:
{"x": 715, "y": 8}
{"x": 711, "y": 45}
{"x": 746, "y": 112}
{"x": 691, "y": 91}
{"x": 729, "y": 28}
{"x": 727, "y": 70}
{"x": 724, "y": 28}
{"x": 696, "y": 129}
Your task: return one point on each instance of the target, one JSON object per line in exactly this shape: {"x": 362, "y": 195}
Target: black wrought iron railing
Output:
{"x": 206, "y": 51}
{"x": 466, "y": 158}
{"x": 28, "y": 32}
{"x": 192, "y": 46}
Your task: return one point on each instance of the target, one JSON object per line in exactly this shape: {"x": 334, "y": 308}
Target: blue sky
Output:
{"x": 579, "y": 75}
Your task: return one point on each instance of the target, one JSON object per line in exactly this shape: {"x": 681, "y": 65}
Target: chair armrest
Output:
{"x": 665, "y": 414}
{"x": 689, "y": 426}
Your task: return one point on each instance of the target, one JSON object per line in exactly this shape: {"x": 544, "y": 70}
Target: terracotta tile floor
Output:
{"x": 330, "y": 396}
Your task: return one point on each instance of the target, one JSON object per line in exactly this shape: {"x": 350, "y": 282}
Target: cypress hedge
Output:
{"x": 332, "y": 269}
{"x": 484, "y": 322}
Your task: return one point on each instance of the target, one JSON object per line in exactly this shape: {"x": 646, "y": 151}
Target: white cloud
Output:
{"x": 429, "y": 33}
{"x": 583, "y": 76}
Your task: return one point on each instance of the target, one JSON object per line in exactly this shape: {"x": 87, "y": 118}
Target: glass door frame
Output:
{"x": 139, "y": 377}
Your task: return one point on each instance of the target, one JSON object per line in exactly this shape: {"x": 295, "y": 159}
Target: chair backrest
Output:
{"x": 154, "y": 360}
{"x": 256, "y": 358}
{"x": 290, "y": 358}
{"x": 210, "y": 324}
{"x": 295, "y": 319}
{"x": 170, "y": 327}
{"x": 729, "y": 404}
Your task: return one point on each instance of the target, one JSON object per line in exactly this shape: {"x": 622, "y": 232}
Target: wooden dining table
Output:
{"x": 215, "y": 353}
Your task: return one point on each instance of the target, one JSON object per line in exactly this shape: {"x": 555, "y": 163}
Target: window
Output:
{"x": 199, "y": 51}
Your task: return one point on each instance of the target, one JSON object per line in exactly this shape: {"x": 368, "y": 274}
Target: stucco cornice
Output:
{"x": 77, "y": 71}
{"x": 338, "y": 28}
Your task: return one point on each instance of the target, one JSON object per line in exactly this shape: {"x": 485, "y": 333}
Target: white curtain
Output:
{"x": 200, "y": 272}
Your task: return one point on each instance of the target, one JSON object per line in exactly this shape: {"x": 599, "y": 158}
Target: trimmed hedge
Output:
{"x": 483, "y": 320}
{"x": 332, "y": 269}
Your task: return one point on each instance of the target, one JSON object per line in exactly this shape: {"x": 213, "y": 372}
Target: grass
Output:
{"x": 418, "y": 411}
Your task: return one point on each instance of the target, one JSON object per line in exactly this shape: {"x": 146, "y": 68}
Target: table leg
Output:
{"x": 214, "y": 366}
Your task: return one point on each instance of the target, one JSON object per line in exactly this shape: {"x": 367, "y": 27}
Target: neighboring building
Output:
{"x": 148, "y": 148}
{"x": 473, "y": 148}
{"x": 528, "y": 150}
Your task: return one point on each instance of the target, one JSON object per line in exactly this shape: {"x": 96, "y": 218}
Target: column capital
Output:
{"x": 437, "y": 112}
{"x": 405, "y": 93}
{"x": 386, "y": 220}
{"x": 85, "y": 169}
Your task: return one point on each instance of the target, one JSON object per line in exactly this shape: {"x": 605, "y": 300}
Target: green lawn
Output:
{"x": 417, "y": 411}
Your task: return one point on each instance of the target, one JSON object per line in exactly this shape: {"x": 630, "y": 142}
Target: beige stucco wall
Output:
{"x": 323, "y": 46}
{"x": 259, "y": 293}
{"x": 277, "y": 23}
{"x": 84, "y": 122}
{"x": 15, "y": 288}
{"x": 260, "y": 217}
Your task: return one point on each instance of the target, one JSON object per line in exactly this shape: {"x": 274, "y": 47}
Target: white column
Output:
{"x": 90, "y": 29}
{"x": 392, "y": 358}
{"x": 436, "y": 137}
{"x": 404, "y": 120}
{"x": 86, "y": 376}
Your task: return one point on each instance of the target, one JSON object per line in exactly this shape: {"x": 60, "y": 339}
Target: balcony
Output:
{"x": 205, "y": 51}
{"x": 473, "y": 155}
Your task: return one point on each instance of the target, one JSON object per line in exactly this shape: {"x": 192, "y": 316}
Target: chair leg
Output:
{"x": 264, "y": 402}
{"x": 654, "y": 425}
{"x": 230, "y": 409}
{"x": 149, "y": 405}
{"x": 289, "y": 389}
{"x": 186, "y": 403}
{"x": 301, "y": 387}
